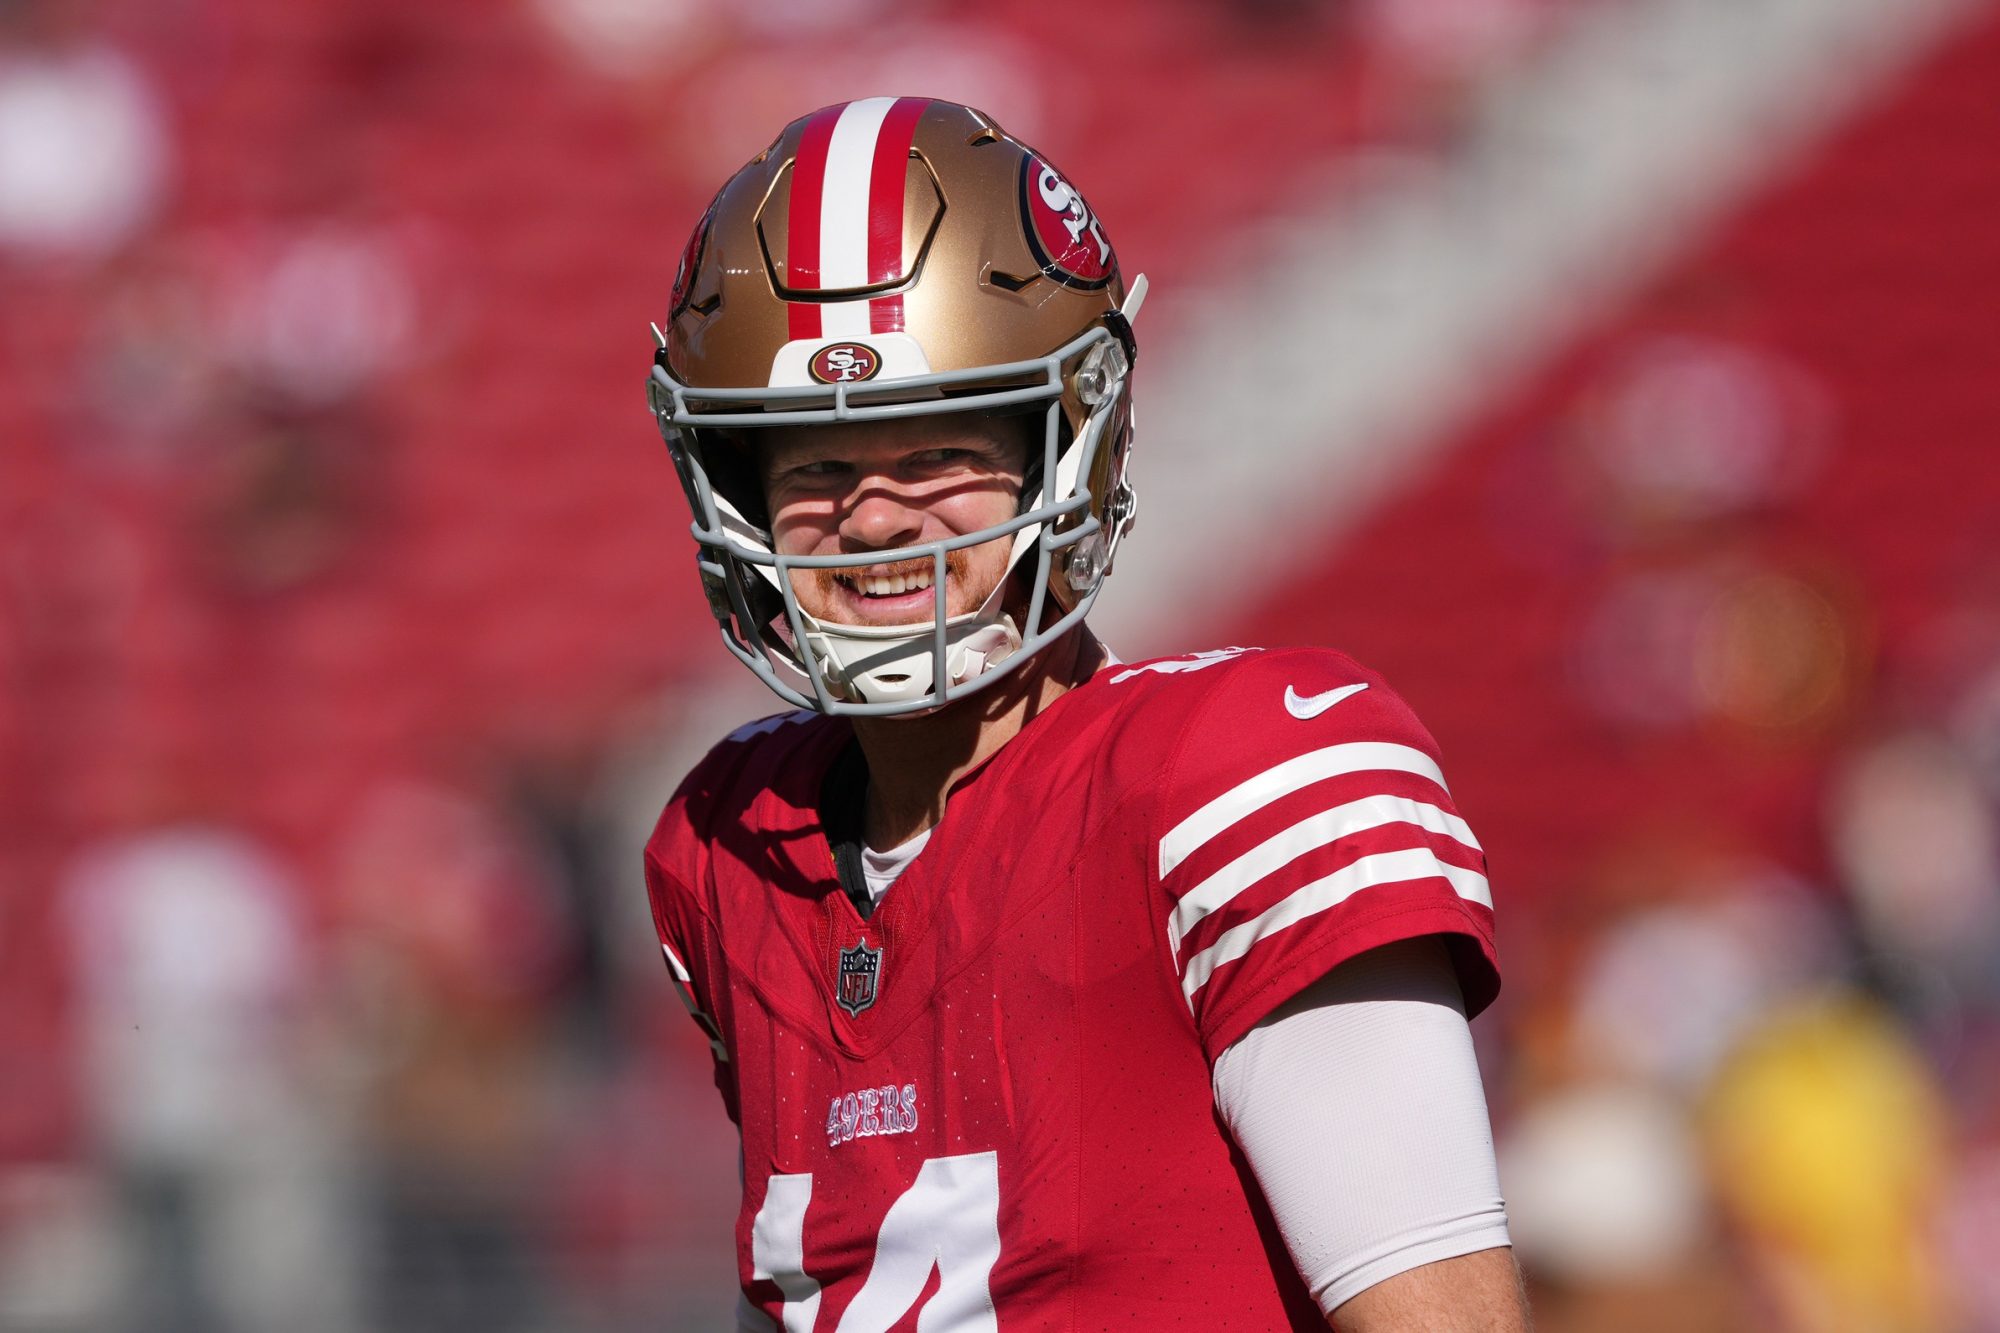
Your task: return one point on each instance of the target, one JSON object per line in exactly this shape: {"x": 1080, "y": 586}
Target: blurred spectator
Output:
{"x": 630, "y": 37}
{"x": 639, "y": 1219}
{"x": 1828, "y": 1142}
{"x": 1913, "y": 831}
{"x": 1973, "y": 712}
{"x": 552, "y": 783}
{"x": 1427, "y": 61}
{"x": 268, "y": 323}
{"x": 286, "y": 495}
{"x": 154, "y": 362}
{"x": 1970, "y": 1233}
{"x": 1683, "y": 429}
{"x": 319, "y": 309}
{"x": 1603, "y": 1186}
{"x": 61, "y": 1267}
{"x": 1734, "y": 637}
{"x": 84, "y": 152}
{"x": 193, "y": 978}
{"x": 1669, "y": 989}
{"x": 450, "y": 948}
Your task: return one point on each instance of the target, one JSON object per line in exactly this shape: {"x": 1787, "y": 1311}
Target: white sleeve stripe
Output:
{"x": 1328, "y": 826}
{"x": 684, "y": 987}
{"x": 1328, "y": 892}
{"x": 1275, "y": 783}
{"x": 705, "y": 1023}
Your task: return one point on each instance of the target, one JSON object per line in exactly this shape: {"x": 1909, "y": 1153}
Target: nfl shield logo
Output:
{"x": 860, "y": 975}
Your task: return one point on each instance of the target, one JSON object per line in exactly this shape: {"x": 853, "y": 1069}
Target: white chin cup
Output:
{"x": 896, "y": 663}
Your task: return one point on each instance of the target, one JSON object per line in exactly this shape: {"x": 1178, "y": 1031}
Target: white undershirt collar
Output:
{"x": 880, "y": 869}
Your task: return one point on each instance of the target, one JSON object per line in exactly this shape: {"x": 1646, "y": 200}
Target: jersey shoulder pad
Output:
{"x": 1290, "y": 717}
{"x": 1298, "y": 816}
{"x": 1234, "y": 706}
{"x": 762, "y": 771}
{"x": 1285, "y": 700}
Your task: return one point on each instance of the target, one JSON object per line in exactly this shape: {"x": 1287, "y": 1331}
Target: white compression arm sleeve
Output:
{"x": 1358, "y": 1105}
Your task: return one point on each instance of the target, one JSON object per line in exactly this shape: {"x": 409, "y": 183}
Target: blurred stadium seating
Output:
{"x": 343, "y": 609}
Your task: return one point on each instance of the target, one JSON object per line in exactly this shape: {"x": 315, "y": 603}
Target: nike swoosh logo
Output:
{"x": 1305, "y": 707}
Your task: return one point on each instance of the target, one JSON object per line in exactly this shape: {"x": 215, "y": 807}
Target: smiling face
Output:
{"x": 858, "y": 487}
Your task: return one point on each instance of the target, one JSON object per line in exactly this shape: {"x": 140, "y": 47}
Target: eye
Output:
{"x": 942, "y": 455}
{"x": 820, "y": 467}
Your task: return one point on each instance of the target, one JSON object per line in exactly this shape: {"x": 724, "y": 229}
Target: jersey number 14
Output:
{"x": 948, "y": 1219}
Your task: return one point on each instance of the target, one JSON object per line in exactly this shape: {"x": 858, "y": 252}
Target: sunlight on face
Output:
{"x": 857, "y": 487}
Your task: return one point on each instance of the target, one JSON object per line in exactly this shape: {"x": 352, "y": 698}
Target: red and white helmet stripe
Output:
{"x": 845, "y": 226}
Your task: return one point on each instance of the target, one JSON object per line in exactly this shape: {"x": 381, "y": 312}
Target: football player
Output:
{"x": 1048, "y": 991}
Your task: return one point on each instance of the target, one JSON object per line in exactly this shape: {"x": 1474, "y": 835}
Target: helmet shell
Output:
{"x": 955, "y": 234}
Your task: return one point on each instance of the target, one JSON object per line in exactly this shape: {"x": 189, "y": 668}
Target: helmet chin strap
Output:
{"x": 897, "y": 663}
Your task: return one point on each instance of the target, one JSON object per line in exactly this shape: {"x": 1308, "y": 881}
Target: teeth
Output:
{"x": 876, "y": 585}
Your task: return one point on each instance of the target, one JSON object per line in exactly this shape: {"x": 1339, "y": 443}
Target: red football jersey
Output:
{"x": 988, "y": 1105}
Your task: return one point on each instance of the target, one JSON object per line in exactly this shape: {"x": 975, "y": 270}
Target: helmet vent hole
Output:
{"x": 1012, "y": 282}
{"x": 985, "y": 136}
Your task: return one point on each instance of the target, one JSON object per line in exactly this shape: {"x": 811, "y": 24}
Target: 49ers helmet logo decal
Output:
{"x": 1067, "y": 238}
{"x": 844, "y": 363}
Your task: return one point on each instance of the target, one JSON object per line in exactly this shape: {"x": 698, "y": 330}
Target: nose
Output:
{"x": 880, "y": 516}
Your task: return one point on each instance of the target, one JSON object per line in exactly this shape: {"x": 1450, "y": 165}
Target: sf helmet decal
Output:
{"x": 844, "y": 363}
{"x": 1066, "y": 236}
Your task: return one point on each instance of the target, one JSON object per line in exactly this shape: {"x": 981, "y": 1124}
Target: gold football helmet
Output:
{"x": 885, "y": 258}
